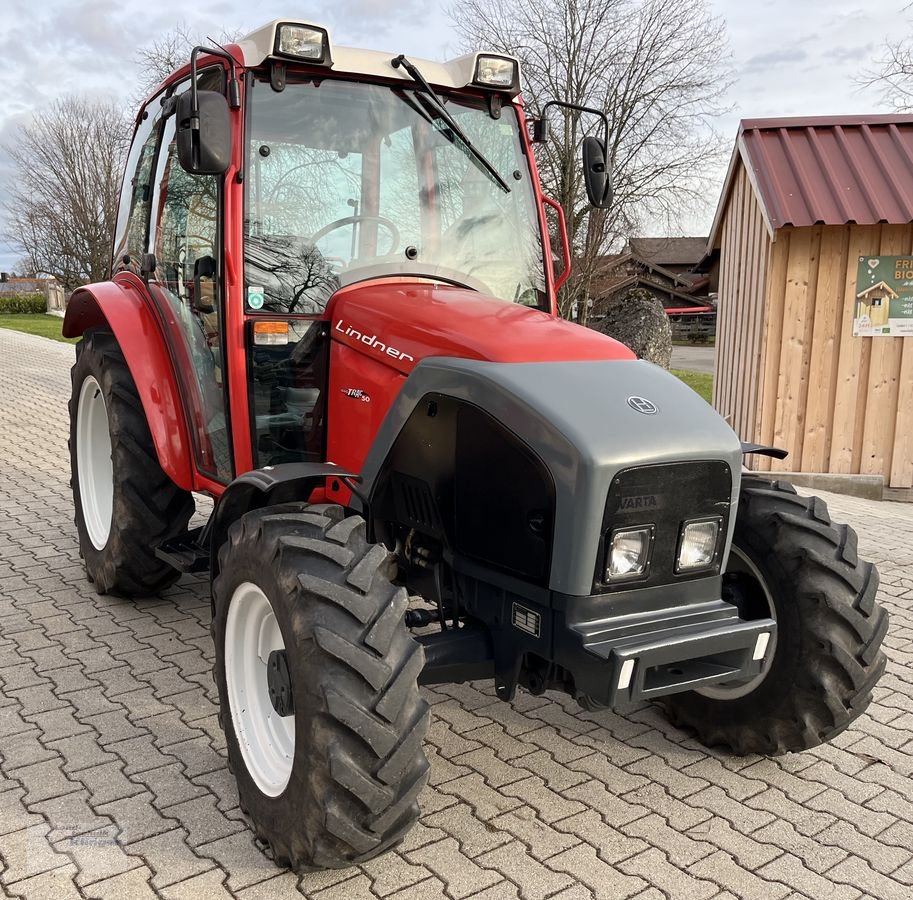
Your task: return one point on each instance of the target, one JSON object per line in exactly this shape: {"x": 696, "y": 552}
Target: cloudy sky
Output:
{"x": 791, "y": 57}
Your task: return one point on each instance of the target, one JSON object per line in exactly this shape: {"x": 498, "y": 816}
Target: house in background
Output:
{"x": 677, "y": 271}
{"x": 51, "y": 289}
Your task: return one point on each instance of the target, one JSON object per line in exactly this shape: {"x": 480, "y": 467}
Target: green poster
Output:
{"x": 883, "y": 305}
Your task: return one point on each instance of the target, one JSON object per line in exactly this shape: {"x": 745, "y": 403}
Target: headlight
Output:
{"x": 303, "y": 42}
{"x": 697, "y": 545}
{"x": 628, "y": 553}
{"x": 496, "y": 72}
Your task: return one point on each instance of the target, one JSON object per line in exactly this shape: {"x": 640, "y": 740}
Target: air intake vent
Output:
{"x": 415, "y": 505}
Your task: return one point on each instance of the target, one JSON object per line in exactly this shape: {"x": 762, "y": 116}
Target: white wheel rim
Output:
{"x": 93, "y": 462}
{"x": 736, "y": 690}
{"x": 266, "y": 739}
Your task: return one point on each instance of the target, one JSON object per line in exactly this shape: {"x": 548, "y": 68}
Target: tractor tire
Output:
{"x": 317, "y": 677}
{"x": 125, "y": 503}
{"x": 827, "y": 655}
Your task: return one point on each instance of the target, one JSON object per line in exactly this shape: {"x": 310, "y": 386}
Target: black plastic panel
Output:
{"x": 458, "y": 475}
{"x": 665, "y": 496}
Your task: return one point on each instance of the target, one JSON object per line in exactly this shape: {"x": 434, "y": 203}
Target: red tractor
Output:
{"x": 333, "y": 310}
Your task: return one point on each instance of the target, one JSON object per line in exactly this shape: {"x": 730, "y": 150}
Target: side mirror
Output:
{"x": 204, "y": 141}
{"x": 596, "y": 173}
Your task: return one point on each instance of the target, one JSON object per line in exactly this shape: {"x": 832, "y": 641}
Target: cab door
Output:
{"x": 185, "y": 238}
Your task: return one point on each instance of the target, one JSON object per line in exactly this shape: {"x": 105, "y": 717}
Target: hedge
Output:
{"x": 17, "y": 304}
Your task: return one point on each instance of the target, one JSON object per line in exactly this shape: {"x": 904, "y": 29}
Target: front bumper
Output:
{"x": 620, "y": 660}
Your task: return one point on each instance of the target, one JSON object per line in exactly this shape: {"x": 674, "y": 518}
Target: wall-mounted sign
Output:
{"x": 883, "y": 305}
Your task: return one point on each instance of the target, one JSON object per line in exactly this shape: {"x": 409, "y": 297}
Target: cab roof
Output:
{"x": 258, "y": 46}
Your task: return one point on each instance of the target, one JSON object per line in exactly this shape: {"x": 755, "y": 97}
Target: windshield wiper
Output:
{"x": 437, "y": 106}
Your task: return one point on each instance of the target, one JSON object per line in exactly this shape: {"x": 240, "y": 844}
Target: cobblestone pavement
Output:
{"x": 113, "y": 782}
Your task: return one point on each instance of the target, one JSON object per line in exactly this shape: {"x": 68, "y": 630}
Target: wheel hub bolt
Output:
{"x": 279, "y": 683}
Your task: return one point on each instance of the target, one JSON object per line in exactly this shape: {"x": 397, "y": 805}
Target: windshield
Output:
{"x": 348, "y": 181}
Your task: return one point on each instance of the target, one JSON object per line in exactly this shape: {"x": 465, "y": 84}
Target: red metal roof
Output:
{"x": 832, "y": 171}
{"x": 828, "y": 170}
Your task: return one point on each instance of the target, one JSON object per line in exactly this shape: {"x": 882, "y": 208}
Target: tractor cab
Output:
{"x": 333, "y": 310}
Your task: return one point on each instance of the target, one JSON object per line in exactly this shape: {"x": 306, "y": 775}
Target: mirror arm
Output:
{"x": 234, "y": 88}
{"x": 586, "y": 109}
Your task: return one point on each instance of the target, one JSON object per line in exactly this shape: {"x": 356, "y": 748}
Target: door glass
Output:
{"x": 132, "y": 229}
{"x": 185, "y": 240}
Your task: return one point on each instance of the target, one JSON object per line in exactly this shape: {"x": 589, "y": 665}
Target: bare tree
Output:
{"x": 657, "y": 68}
{"x": 62, "y": 207}
{"x": 893, "y": 74}
{"x": 161, "y": 56}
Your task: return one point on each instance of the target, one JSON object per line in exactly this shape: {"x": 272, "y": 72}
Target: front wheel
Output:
{"x": 318, "y": 686}
{"x": 791, "y": 563}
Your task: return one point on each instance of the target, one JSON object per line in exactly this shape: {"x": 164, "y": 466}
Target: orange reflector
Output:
{"x": 270, "y": 333}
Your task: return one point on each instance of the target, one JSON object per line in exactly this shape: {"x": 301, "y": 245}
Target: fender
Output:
{"x": 122, "y": 306}
{"x": 266, "y": 487}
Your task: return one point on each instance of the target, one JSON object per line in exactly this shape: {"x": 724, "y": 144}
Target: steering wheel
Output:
{"x": 352, "y": 220}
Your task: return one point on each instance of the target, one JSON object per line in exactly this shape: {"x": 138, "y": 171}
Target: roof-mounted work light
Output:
{"x": 499, "y": 72}
{"x": 304, "y": 42}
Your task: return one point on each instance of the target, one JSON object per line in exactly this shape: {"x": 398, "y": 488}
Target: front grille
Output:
{"x": 664, "y": 496}
{"x": 415, "y": 505}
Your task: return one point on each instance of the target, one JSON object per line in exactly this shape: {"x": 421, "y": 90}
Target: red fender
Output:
{"x": 123, "y": 306}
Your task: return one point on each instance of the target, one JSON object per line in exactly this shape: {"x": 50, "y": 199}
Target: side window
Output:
{"x": 185, "y": 239}
{"x": 132, "y": 230}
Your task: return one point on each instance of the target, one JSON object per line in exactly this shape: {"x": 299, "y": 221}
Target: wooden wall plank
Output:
{"x": 824, "y": 349}
{"x": 773, "y": 331}
{"x": 902, "y": 455}
{"x": 752, "y": 361}
{"x": 852, "y": 365}
{"x": 749, "y": 252}
{"x": 880, "y": 407}
{"x": 798, "y": 319}
{"x": 744, "y": 245}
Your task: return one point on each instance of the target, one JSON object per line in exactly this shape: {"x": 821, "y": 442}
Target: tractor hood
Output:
{"x": 405, "y": 322}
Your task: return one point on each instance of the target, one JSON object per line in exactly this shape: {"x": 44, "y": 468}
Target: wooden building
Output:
{"x": 810, "y": 209}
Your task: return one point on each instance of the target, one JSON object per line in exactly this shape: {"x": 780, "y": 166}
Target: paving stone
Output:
{"x": 204, "y": 823}
{"x": 358, "y": 887}
{"x": 485, "y": 802}
{"x": 209, "y": 886}
{"x": 81, "y": 752}
{"x": 462, "y": 877}
{"x": 114, "y": 727}
{"x": 279, "y": 887}
{"x": 605, "y": 881}
{"x": 535, "y": 880}
{"x": 197, "y": 755}
{"x": 132, "y": 885}
{"x": 170, "y": 858}
{"x": 549, "y": 804}
{"x": 790, "y": 870}
{"x": 653, "y": 866}
{"x": 721, "y": 868}
{"x": 857, "y": 873}
{"x": 29, "y": 852}
{"x": 136, "y": 817}
{"x": 44, "y": 780}
{"x": 107, "y": 782}
{"x": 13, "y": 814}
{"x": 59, "y": 884}
{"x": 25, "y": 749}
{"x": 238, "y": 855}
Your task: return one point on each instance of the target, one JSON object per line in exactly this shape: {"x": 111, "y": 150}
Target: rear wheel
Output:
{"x": 318, "y": 686}
{"x": 125, "y": 503}
{"x": 791, "y": 562}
